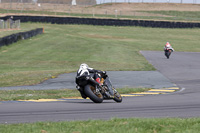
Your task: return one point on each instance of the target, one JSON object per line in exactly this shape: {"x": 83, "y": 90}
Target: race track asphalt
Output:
{"x": 120, "y": 79}
{"x": 181, "y": 69}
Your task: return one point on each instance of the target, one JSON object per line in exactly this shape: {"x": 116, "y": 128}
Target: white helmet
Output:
{"x": 167, "y": 45}
{"x": 84, "y": 66}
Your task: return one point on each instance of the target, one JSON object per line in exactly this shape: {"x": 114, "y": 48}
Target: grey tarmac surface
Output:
{"x": 120, "y": 79}
{"x": 182, "y": 68}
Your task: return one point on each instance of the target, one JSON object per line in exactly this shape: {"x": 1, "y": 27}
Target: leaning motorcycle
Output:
{"x": 168, "y": 53}
{"x": 89, "y": 88}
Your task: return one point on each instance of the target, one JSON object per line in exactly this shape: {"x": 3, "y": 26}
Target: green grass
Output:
{"x": 62, "y": 48}
{"x": 131, "y": 125}
{"x": 9, "y": 32}
{"x": 179, "y": 15}
{"x": 13, "y": 95}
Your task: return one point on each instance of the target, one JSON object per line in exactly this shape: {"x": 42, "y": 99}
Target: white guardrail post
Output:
{"x": 9, "y": 24}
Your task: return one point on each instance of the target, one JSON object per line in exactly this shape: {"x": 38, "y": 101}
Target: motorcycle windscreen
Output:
{"x": 81, "y": 81}
{"x": 109, "y": 84}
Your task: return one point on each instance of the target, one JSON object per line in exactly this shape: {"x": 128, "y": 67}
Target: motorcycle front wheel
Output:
{"x": 117, "y": 97}
{"x": 90, "y": 91}
{"x": 167, "y": 54}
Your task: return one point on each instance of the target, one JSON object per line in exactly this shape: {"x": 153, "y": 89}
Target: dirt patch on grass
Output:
{"x": 150, "y": 7}
{"x": 108, "y": 37}
{"x": 103, "y": 7}
{"x": 120, "y": 9}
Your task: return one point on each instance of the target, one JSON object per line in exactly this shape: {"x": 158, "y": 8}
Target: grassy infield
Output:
{"x": 63, "y": 47}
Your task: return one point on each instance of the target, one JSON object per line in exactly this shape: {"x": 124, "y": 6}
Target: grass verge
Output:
{"x": 143, "y": 125}
{"x": 13, "y": 95}
{"x": 62, "y": 48}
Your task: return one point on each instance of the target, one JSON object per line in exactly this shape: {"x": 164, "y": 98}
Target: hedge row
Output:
{"x": 7, "y": 40}
{"x": 110, "y": 22}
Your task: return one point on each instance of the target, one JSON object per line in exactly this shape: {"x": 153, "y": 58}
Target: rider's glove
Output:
{"x": 104, "y": 74}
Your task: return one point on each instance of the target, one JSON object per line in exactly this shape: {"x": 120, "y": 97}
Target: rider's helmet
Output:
{"x": 167, "y": 45}
{"x": 84, "y": 66}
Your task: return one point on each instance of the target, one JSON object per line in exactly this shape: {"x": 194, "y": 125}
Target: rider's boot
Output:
{"x": 81, "y": 92}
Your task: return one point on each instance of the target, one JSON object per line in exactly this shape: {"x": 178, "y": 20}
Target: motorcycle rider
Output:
{"x": 168, "y": 47}
{"x": 87, "y": 71}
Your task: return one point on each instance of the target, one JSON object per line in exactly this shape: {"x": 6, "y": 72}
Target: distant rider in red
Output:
{"x": 168, "y": 49}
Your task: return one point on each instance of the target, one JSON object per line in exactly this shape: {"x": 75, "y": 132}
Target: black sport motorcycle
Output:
{"x": 89, "y": 88}
{"x": 168, "y": 52}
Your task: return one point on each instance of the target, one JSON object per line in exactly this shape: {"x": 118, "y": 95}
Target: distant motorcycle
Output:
{"x": 98, "y": 93}
{"x": 168, "y": 52}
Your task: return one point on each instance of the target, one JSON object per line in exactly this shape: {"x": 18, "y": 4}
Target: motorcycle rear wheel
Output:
{"x": 90, "y": 91}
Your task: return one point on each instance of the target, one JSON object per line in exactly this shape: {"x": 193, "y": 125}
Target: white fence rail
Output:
{"x": 149, "y": 1}
{"x": 92, "y": 2}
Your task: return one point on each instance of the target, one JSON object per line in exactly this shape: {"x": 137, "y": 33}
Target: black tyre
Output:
{"x": 117, "y": 97}
{"x": 90, "y": 91}
{"x": 167, "y": 54}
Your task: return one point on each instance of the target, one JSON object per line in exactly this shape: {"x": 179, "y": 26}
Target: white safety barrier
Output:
{"x": 9, "y": 24}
